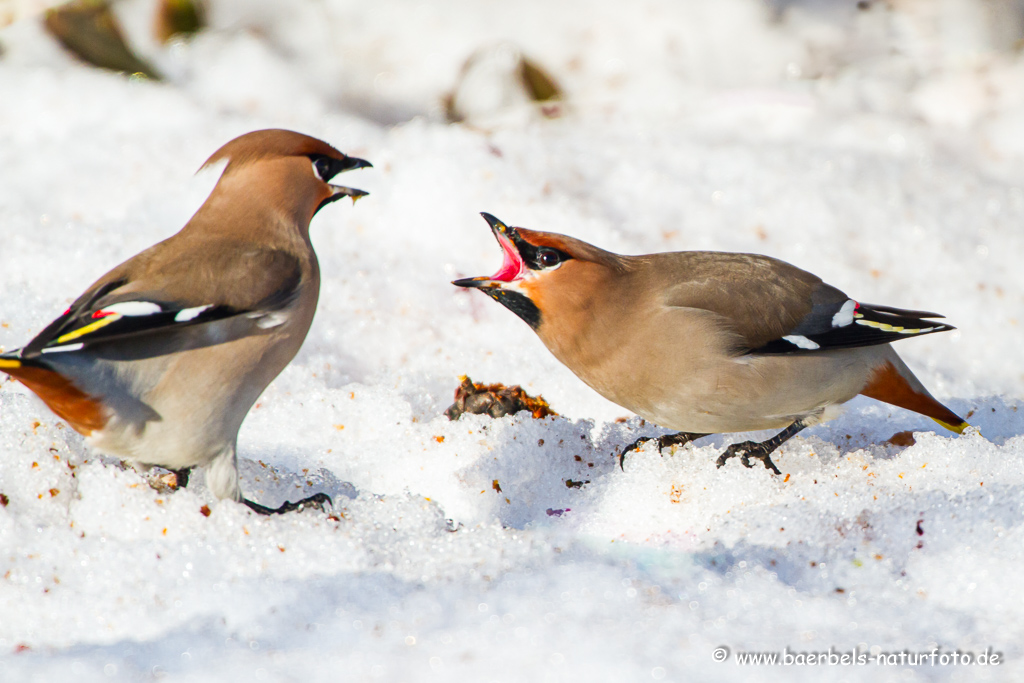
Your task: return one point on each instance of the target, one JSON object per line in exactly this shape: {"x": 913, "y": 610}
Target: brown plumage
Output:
{"x": 708, "y": 342}
{"x": 159, "y": 361}
{"x": 888, "y": 384}
{"x": 84, "y": 413}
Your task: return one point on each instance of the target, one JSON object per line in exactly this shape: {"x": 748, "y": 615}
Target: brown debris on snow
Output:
{"x": 496, "y": 400}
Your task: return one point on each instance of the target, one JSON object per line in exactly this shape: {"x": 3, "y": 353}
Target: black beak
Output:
{"x": 352, "y": 163}
{"x": 501, "y": 230}
{"x": 339, "y": 191}
{"x": 495, "y": 223}
{"x": 472, "y": 282}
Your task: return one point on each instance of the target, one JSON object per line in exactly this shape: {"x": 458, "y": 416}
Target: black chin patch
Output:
{"x": 332, "y": 198}
{"x": 518, "y": 304}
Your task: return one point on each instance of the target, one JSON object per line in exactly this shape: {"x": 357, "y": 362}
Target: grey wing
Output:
{"x": 774, "y": 307}
{"x": 175, "y": 306}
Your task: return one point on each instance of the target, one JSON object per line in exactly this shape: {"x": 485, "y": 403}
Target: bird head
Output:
{"x": 544, "y": 273}
{"x": 286, "y": 168}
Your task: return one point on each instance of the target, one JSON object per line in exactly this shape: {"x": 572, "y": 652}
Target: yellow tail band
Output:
{"x": 959, "y": 429}
{"x": 4, "y": 363}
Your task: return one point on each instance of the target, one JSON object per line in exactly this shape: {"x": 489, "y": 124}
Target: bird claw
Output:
{"x": 318, "y": 501}
{"x": 771, "y": 465}
{"x": 634, "y": 446}
{"x": 664, "y": 441}
{"x": 745, "y": 451}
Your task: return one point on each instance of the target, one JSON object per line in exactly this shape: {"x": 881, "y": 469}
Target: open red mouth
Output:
{"x": 512, "y": 264}
{"x": 502, "y": 285}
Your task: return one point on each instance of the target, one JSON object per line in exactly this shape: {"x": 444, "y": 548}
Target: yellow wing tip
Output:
{"x": 91, "y": 327}
{"x": 958, "y": 428}
{"x": 9, "y": 363}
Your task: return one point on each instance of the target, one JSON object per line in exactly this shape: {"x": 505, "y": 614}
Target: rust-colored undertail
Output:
{"x": 889, "y": 386}
{"x": 83, "y": 412}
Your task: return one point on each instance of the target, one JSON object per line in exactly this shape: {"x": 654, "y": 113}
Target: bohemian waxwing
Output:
{"x": 159, "y": 361}
{"x": 708, "y": 342}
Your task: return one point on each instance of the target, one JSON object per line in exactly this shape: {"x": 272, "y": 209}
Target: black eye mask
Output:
{"x": 327, "y": 167}
{"x": 538, "y": 258}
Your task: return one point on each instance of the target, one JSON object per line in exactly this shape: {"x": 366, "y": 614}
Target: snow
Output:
{"x": 881, "y": 149}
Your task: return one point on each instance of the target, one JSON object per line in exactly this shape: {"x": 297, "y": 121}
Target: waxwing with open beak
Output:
{"x": 159, "y": 361}
{"x": 708, "y": 342}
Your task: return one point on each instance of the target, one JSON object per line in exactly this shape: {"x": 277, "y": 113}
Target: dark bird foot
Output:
{"x": 679, "y": 439}
{"x": 746, "y": 451}
{"x": 318, "y": 501}
{"x": 182, "y": 476}
{"x": 761, "y": 451}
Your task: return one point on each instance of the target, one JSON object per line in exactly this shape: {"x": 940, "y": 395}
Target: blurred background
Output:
{"x": 950, "y": 63}
{"x": 953, "y": 63}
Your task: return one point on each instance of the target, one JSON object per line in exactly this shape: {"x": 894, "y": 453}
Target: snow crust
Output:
{"x": 880, "y": 149}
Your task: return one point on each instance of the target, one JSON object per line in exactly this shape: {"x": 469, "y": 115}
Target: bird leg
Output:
{"x": 317, "y": 501}
{"x": 181, "y": 476}
{"x": 761, "y": 451}
{"x": 679, "y": 439}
